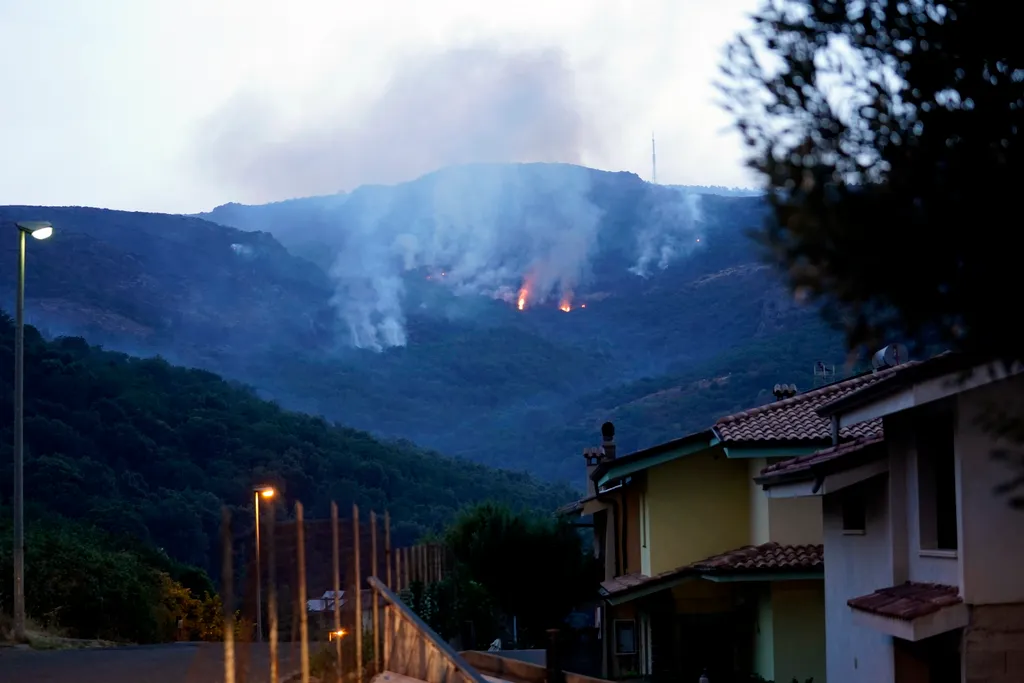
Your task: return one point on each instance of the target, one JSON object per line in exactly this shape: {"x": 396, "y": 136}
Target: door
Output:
{"x": 664, "y": 654}
{"x": 707, "y": 644}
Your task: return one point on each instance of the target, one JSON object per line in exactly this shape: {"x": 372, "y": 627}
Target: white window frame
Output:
{"x": 615, "y": 637}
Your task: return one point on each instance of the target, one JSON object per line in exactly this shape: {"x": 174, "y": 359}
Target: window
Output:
{"x": 854, "y": 513}
{"x": 625, "y": 636}
{"x": 936, "y": 481}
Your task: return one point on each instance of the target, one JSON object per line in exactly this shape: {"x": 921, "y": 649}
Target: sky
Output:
{"x": 182, "y": 105}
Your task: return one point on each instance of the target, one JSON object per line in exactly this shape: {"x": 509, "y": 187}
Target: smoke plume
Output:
{"x": 464, "y": 105}
{"x": 487, "y": 228}
{"x": 508, "y": 231}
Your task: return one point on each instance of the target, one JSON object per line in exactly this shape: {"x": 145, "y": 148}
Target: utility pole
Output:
{"x": 654, "y": 163}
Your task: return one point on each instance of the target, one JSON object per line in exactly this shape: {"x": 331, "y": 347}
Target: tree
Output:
{"x": 533, "y": 567}
{"x": 888, "y": 136}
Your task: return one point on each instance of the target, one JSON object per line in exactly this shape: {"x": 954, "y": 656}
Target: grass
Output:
{"x": 42, "y": 638}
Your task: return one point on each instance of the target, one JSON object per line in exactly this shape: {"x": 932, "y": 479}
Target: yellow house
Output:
{"x": 703, "y": 572}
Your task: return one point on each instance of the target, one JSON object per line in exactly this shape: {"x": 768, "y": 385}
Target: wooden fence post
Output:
{"x": 375, "y": 620}
{"x": 336, "y": 557}
{"x": 358, "y": 589}
{"x": 390, "y": 585}
{"x": 300, "y": 542}
{"x": 272, "y": 589}
{"x": 228, "y": 590}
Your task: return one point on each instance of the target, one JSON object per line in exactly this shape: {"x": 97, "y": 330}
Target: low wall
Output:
{"x": 517, "y": 671}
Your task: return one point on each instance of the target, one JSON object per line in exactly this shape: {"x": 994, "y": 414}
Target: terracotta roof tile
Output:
{"x": 851, "y": 451}
{"x": 765, "y": 557}
{"x": 574, "y": 507}
{"x": 621, "y": 584}
{"x": 796, "y": 419}
{"x": 752, "y": 558}
{"x": 908, "y": 601}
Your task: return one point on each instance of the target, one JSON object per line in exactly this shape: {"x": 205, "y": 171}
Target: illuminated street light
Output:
{"x": 268, "y": 493}
{"x": 40, "y": 230}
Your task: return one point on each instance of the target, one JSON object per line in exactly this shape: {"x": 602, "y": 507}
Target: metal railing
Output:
{"x": 413, "y": 649}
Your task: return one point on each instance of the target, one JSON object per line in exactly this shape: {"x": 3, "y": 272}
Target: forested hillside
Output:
{"x": 393, "y": 309}
{"x": 144, "y": 448}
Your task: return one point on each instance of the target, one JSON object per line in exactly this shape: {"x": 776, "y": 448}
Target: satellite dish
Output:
{"x": 890, "y": 356}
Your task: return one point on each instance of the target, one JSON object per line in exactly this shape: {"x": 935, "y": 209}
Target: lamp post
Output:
{"x": 39, "y": 230}
{"x": 257, "y": 493}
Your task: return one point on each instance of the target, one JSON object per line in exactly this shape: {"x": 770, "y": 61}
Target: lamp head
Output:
{"x": 38, "y": 229}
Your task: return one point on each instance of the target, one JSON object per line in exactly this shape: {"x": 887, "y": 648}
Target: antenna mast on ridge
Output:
{"x": 824, "y": 374}
{"x": 654, "y": 162}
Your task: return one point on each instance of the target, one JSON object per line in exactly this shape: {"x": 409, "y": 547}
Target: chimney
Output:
{"x": 608, "y": 441}
{"x": 595, "y": 456}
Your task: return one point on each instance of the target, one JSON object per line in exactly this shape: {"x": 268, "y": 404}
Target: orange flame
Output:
{"x": 521, "y": 303}
{"x": 564, "y": 306}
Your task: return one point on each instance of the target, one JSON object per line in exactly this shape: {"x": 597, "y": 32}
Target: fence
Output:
{"x": 324, "y": 595}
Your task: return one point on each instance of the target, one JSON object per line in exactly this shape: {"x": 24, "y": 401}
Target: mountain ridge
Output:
{"x": 475, "y": 377}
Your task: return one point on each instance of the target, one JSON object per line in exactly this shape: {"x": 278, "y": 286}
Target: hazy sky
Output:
{"x": 180, "y": 105}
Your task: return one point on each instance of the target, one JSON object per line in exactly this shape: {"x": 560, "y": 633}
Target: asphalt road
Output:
{"x": 173, "y": 663}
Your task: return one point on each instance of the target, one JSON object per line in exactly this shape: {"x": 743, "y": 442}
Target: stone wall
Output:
{"x": 993, "y": 645}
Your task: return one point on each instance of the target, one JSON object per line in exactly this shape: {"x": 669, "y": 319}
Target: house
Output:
{"x": 321, "y": 609}
{"x": 702, "y": 570}
{"x": 924, "y": 562}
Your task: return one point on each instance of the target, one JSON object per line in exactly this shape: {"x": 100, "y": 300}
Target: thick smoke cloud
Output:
{"x": 492, "y": 229}
{"x": 488, "y": 228}
{"x": 465, "y": 105}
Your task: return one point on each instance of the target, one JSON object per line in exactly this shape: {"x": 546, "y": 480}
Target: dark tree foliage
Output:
{"x": 888, "y": 135}
{"x": 532, "y": 567}
{"x": 89, "y": 584}
{"x": 149, "y": 451}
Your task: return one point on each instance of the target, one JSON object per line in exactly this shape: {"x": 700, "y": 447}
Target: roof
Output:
{"x": 795, "y": 420}
{"x": 831, "y": 459}
{"x": 908, "y": 601}
{"x": 626, "y": 582}
{"x": 910, "y": 373}
{"x": 574, "y": 507}
{"x": 765, "y": 558}
{"x": 638, "y": 459}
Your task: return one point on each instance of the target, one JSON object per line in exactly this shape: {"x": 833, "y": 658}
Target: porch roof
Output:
{"x": 907, "y": 601}
{"x": 575, "y": 507}
{"x": 911, "y": 611}
{"x": 823, "y": 462}
{"x": 765, "y": 562}
{"x": 768, "y": 557}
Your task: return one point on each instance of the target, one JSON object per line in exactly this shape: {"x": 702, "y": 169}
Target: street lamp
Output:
{"x": 257, "y": 493}
{"x": 39, "y": 230}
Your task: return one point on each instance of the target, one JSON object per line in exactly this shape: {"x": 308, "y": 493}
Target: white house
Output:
{"x": 924, "y": 561}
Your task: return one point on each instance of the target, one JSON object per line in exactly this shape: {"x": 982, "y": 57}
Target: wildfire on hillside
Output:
{"x": 521, "y": 303}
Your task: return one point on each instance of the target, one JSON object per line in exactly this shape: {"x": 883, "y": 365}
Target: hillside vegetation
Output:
{"x": 142, "y": 448}
{"x": 267, "y": 298}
